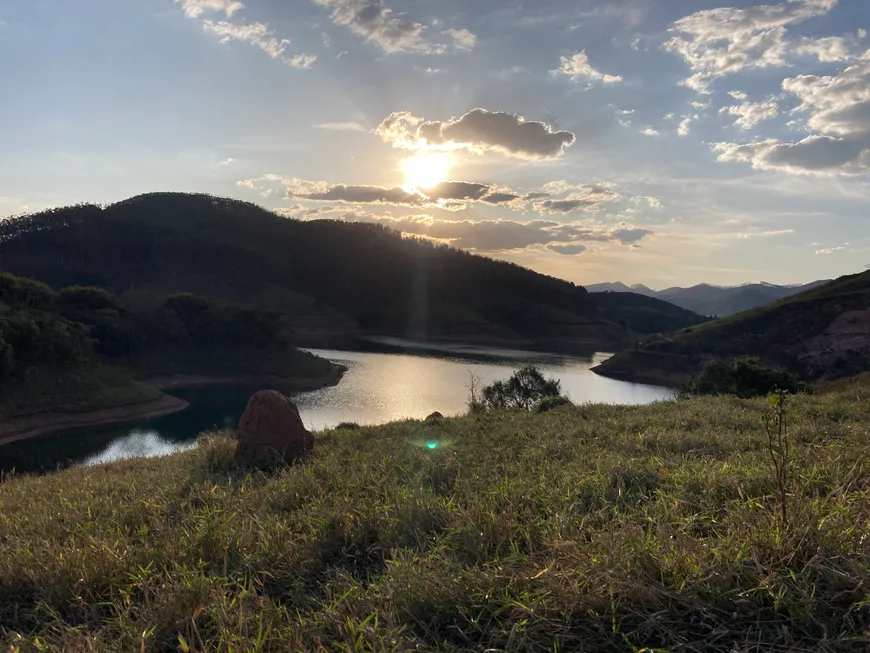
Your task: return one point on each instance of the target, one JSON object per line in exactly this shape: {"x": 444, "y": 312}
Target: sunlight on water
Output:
{"x": 138, "y": 444}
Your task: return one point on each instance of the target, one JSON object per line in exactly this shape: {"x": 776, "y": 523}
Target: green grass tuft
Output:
{"x": 588, "y": 528}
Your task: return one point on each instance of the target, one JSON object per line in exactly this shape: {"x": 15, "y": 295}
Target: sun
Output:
{"x": 426, "y": 170}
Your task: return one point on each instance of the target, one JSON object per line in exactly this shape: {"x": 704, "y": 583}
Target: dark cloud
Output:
{"x": 814, "y": 154}
{"x": 567, "y": 250}
{"x": 479, "y": 129}
{"x": 362, "y": 195}
{"x": 456, "y": 190}
{"x": 500, "y": 198}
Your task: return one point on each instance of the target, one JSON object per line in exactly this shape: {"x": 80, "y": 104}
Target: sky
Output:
{"x": 663, "y": 142}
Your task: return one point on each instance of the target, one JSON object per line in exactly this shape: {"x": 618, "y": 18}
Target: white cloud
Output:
{"x": 302, "y": 61}
{"x": 649, "y": 131}
{"x": 376, "y": 23}
{"x": 831, "y": 250}
{"x": 349, "y": 126}
{"x": 685, "y": 125}
{"x": 738, "y": 95}
{"x": 838, "y": 109}
{"x": 718, "y": 42}
{"x": 195, "y": 8}
{"x": 829, "y": 49}
{"x": 462, "y": 39}
{"x": 477, "y": 130}
{"x": 751, "y": 113}
{"x": 765, "y": 234}
{"x": 577, "y": 67}
{"x": 255, "y": 33}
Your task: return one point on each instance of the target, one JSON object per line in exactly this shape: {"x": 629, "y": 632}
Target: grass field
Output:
{"x": 589, "y": 528}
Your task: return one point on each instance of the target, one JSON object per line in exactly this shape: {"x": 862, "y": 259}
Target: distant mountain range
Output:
{"x": 707, "y": 299}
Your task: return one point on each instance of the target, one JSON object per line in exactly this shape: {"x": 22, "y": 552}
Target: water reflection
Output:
{"x": 377, "y": 388}
{"x": 138, "y": 444}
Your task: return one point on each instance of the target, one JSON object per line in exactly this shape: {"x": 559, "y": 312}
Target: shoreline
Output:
{"x": 294, "y": 383}
{"x": 27, "y": 428}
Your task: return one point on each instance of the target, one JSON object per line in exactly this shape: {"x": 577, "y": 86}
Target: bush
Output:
{"x": 551, "y": 403}
{"x": 743, "y": 377}
{"x": 524, "y": 390}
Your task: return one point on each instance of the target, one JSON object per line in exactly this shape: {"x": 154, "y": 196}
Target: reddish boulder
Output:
{"x": 271, "y": 430}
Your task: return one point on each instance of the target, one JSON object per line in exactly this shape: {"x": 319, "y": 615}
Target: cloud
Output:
{"x": 577, "y": 67}
{"x": 567, "y": 250}
{"x": 302, "y": 61}
{"x": 195, "y": 8}
{"x": 462, "y": 39}
{"x": 349, "y": 126}
{"x": 738, "y": 95}
{"x": 556, "y": 197}
{"x": 764, "y": 234}
{"x": 255, "y": 33}
{"x": 685, "y": 125}
{"x": 821, "y": 155}
{"x": 831, "y": 250}
{"x": 506, "y": 235}
{"x": 718, "y": 42}
{"x": 376, "y": 23}
{"x": 576, "y": 198}
{"x": 838, "y": 110}
{"x": 828, "y": 49}
{"x": 752, "y": 113}
{"x": 649, "y": 131}
{"x": 478, "y": 130}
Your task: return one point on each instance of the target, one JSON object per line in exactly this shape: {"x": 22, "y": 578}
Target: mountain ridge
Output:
{"x": 711, "y": 299}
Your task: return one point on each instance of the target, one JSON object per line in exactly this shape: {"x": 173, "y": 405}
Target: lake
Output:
{"x": 378, "y": 387}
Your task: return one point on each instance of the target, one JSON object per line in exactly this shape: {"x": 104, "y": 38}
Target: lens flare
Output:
{"x": 432, "y": 445}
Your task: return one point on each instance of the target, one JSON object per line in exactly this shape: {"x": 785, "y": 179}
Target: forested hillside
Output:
{"x": 323, "y": 275}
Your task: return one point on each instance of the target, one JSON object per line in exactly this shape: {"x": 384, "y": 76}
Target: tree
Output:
{"x": 524, "y": 389}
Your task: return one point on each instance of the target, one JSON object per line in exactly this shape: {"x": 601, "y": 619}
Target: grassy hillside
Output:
{"x": 593, "y": 528}
{"x": 323, "y": 275}
{"x": 820, "y": 333}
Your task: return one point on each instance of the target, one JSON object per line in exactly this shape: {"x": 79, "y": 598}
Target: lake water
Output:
{"x": 377, "y": 388}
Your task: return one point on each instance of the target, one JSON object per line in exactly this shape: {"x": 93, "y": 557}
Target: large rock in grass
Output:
{"x": 271, "y": 431}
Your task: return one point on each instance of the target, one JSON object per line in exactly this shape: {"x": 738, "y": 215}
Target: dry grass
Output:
{"x": 589, "y": 528}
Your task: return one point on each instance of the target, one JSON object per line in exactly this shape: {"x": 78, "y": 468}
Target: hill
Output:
{"x": 645, "y": 315}
{"x": 593, "y": 528}
{"x": 328, "y": 278}
{"x": 69, "y": 356}
{"x": 706, "y": 299}
{"x": 821, "y": 333}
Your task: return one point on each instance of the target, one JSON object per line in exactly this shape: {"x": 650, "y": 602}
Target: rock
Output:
{"x": 435, "y": 417}
{"x": 271, "y": 430}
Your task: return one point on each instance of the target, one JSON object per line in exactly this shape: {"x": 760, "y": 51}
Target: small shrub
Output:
{"x": 347, "y": 426}
{"x": 550, "y": 403}
{"x": 743, "y": 377}
{"x": 523, "y": 390}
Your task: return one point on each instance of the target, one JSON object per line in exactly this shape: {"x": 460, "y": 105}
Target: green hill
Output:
{"x": 592, "y": 528}
{"x": 326, "y": 277}
{"x": 79, "y": 350}
{"x": 822, "y": 333}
